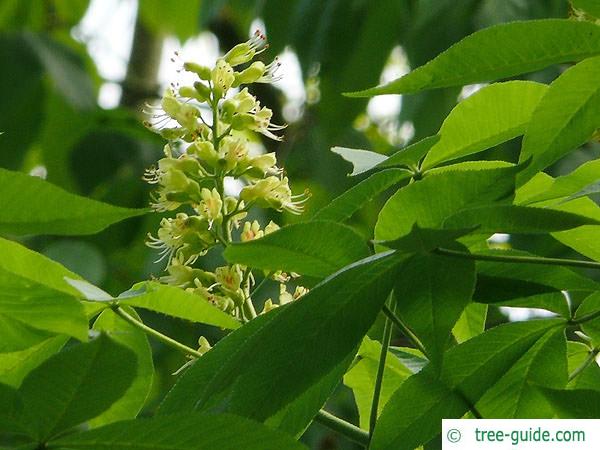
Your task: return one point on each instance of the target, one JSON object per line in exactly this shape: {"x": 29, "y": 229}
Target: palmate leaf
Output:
{"x": 590, "y": 305}
{"x": 343, "y": 207}
{"x": 14, "y": 366}
{"x": 564, "y": 119}
{"x": 33, "y": 291}
{"x": 316, "y": 249}
{"x": 575, "y": 403}
{"x": 51, "y": 210}
{"x": 431, "y": 293}
{"x": 471, "y": 322}
{"x": 328, "y": 324}
{"x": 513, "y": 396}
{"x": 133, "y": 399}
{"x": 362, "y": 160}
{"x": 494, "y": 114}
{"x": 582, "y": 181}
{"x": 414, "y": 414}
{"x": 365, "y": 160}
{"x": 64, "y": 390}
{"x": 499, "y": 51}
{"x": 516, "y": 219}
{"x": 176, "y": 302}
{"x": 442, "y": 193}
{"x": 180, "y": 432}
{"x": 361, "y": 378}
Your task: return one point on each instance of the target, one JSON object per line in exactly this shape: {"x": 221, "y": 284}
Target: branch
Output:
{"x": 346, "y": 429}
{"x": 590, "y": 358}
{"x": 156, "y": 334}
{"x": 385, "y": 343}
{"x": 404, "y": 329}
{"x": 519, "y": 259}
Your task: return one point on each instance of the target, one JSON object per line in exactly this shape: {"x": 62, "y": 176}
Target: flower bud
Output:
{"x": 190, "y": 92}
{"x": 202, "y": 90}
{"x": 203, "y": 72}
{"x": 251, "y": 74}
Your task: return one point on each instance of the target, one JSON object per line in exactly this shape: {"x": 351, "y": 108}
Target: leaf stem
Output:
{"x": 404, "y": 329}
{"x": 590, "y": 358}
{"x": 346, "y": 429}
{"x": 520, "y": 259}
{"x": 154, "y": 333}
{"x": 585, "y": 318}
{"x": 385, "y": 343}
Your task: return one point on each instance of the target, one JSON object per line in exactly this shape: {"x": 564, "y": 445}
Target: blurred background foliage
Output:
{"x": 64, "y": 120}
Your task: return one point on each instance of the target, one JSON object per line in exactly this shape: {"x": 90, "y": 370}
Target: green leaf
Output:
{"x": 315, "y": 249}
{"x": 589, "y": 378}
{"x": 583, "y": 239}
{"x": 41, "y": 307}
{"x": 296, "y": 416}
{"x": 361, "y": 160}
{"x": 411, "y": 155}
{"x": 51, "y": 210}
{"x": 16, "y": 365}
{"x": 564, "y": 119}
{"x": 513, "y": 397}
{"x": 494, "y": 114}
{"x": 471, "y": 322}
{"x": 557, "y": 277}
{"x": 132, "y": 401}
{"x": 24, "y": 263}
{"x": 293, "y": 418}
{"x": 499, "y": 51}
{"x": 424, "y": 240}
{"x": 180, "y": 432}
{"x": 575, "y": 403}
{"x": 343, "y": 207}
{"x": 17, "y": 336}
{"x": 590, "y": 304}
{"x": 431, "y": 293}
{"x": 414, "y": 414}
{"x": 361, "y": 378}
{"x": 568, "y": 187}
{"x": 328, "y": 324}
{"x": 192, "y": 384}
{"x": 10, "y": 408}
{"x": 516, "y": 219}
{"x": 177, "y": 302}
{"x": 440, "y": 194}
{"x": 64, "y": 390}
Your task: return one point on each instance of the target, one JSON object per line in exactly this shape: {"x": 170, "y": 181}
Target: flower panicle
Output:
{"x": 208, "y": 126}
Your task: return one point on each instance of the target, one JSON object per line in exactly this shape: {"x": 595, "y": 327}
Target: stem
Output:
{"x": 342, "y": 427}
{"x": 590, "y": 359}
{"x": 404, "y": 329}
{"x": 260, "y": 285}
{"x": 385, "y": 343}
{"x": 154, "y": 333}
{"x": 520, "y": 259}
{"x": 585, "y": 318}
